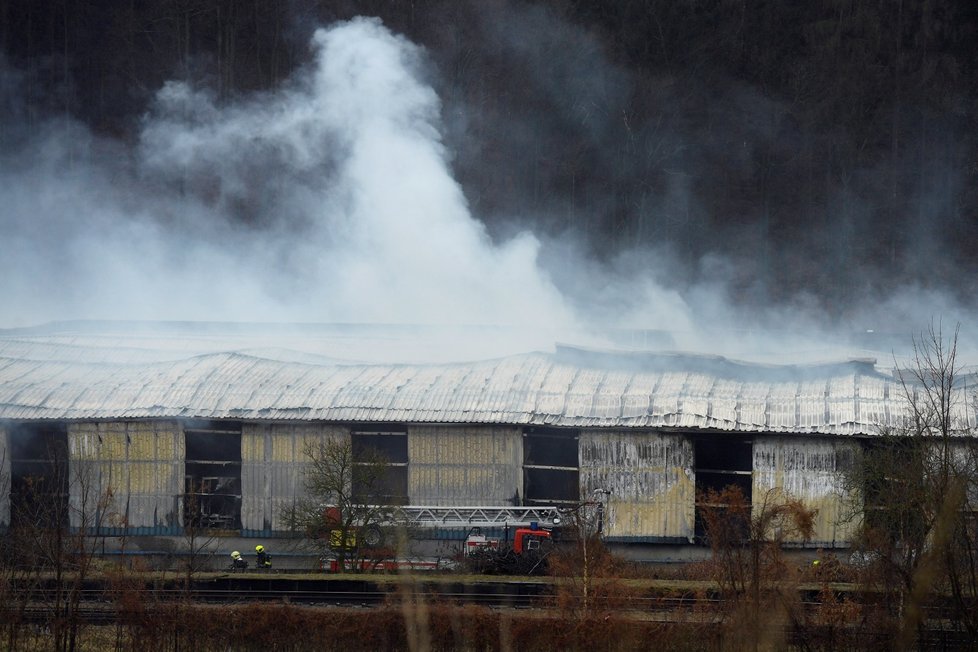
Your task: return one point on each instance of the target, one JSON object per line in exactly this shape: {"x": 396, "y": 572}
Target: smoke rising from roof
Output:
{"x": 332, "y": 199}
{"x": 351, "y": 212}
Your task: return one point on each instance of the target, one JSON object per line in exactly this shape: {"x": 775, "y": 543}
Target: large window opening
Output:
{"x": 893, "y": 477}
{"x": 212, "y": 484}
{"x": 721, "y": 462}
{"x": 39, "y": 475}
{"x": 380, "y": 458}
{"x": 551, "y": 466}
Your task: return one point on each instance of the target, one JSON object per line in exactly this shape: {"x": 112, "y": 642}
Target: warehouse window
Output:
{"x": 39, "y": 475}
{"x": 893, "y": 474}
{"x": 212, "y": 486}
{"x": 380, "y": 457}
{"x": 721, "y": 462}
{"x": 550, "y": 466}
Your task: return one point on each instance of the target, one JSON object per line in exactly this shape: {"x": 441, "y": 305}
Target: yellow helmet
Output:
{"x": 259, "y": 548}
{"x": 235, "y": 555}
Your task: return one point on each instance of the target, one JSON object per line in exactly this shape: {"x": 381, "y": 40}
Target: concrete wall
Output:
{"x": 649, "y": 477}
{"x": 464, "y": 465}
{"x": 134, "y": 467}
{"x": 810, "y": 469}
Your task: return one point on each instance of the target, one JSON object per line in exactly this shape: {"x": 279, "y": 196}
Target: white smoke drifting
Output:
{"x": 330, "y": 199}
{"x": 356, "y": 217}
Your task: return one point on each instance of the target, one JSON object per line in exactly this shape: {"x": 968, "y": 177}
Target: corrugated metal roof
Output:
{"x": 79, "y": 378}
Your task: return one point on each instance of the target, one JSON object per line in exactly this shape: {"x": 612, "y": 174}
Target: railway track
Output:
{"x": 316, "y": 590}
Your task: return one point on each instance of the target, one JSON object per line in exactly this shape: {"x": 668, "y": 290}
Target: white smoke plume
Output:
{"x": 330, "y": 199}
{"x": 351, "y": 213}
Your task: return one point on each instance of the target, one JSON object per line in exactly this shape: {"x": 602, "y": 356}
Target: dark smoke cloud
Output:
{"x": 379, "y": 184}
{"x": 673, "y": 191}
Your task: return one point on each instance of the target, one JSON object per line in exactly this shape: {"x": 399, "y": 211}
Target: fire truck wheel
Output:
{"x": 372, "y": 536}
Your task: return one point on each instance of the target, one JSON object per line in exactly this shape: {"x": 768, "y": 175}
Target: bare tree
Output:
{"x": 56, "y": 518}
{"x": 919, "y": 483}
{"x": 747, "y": 542}
{"x": 589, "y": 586}
{"x": 342, "y": 513}
{"x": 199, "y": 541}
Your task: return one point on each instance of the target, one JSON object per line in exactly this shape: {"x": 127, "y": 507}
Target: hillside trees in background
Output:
{"x": 919, "y": 483}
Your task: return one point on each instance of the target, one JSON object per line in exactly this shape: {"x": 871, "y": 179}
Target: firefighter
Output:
{"x": 262, "y": 558}
{"x": 237, "y": 562}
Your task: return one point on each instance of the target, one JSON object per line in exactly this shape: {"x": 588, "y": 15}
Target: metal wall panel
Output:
{"x": 273, "y": 462}
{"x": 964, "y": 456}
{"x": 138, "y": 464}
{"x": 649, "y": 477}
{"x": 151, "y": 478}
{"x": 782, "y": 406}
{"x": 4, "y": 477}
{"x": 811, "y": 470}
{"x": 143, "y": 442}
{"x": 255, "y": 480}
{"x": 464, "y": 465}
{"x": 753, "y": 406}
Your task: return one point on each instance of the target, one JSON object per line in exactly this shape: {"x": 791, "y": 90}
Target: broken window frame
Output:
{"x": 548, "y": 476}
{"x": 738, "y": 472}
{"x": 880, "y": 513}
{"x": 39, "y": 483}
{"x": 392, "y": 454}
{"x": 212, "y": 482}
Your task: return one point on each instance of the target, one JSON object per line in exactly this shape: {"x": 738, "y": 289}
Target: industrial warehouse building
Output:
{"x": 153, "y": 417}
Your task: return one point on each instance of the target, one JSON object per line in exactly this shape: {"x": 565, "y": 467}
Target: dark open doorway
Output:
{"x": 212, "y": 481}
{"x": 721, "y": 461}
{"x": 551, "y": 466}
{"x": 39, "y": 475}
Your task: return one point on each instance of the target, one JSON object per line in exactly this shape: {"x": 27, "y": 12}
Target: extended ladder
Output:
{"x": 425, "y": 516}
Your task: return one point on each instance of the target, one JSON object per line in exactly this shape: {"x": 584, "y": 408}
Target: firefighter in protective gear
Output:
{"x": 237, "y": 561}
{"x": 262, "y": 558}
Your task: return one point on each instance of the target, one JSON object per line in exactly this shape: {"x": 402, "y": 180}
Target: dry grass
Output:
{"x": 266, "y": 627}
{"x": 618, "y": 606}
